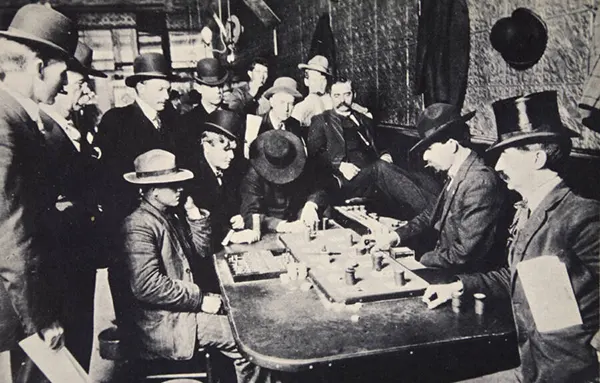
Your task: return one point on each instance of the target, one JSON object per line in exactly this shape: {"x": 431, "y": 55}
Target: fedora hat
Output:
{"x": 318, "y": 63}
{"x": 209, "y": 71}
{"x": 42, "y": 27}
{"x": 521, "y": 38}
{"x": 224, "y": 122}
{"x": 156, "y": 166}
{"x": 437, "y": 119}
{"x": 147, "y": 66}
{"x": 283, "y": 84}
{"x": 528, "y": 119}
{"x": 82, "y": 61}
{"x": 278, "y": 156}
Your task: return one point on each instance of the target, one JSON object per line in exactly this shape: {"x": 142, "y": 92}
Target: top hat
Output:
{"x": 156, "y": 166}
{"x": 436, "y": 119}
{"x": 278, "y": 156}
{"x": 283, "y": 84}
{"x": 528, "y": 119}
{"x": 147, "y": 66}
{"x": 521, "y": 38}
{"x": 42, "y": 27}
{"x": 209, "y": 71}
{"x": 318, "y": 63}
{"x": 224, "y": 122}
{"x": 82, "y": 62}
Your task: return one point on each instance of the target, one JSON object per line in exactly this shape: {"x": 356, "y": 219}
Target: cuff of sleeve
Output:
{"x": 194, "y": 214}
{"x": 311, "y": 204}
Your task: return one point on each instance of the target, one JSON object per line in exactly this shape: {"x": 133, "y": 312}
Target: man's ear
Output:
{"x": 249, "y": 74}
{"x": 454, "y": 144}
{"x": 541, "y": 157}
{"x": 306, "y": 81}
{"x": 38, "y": 67}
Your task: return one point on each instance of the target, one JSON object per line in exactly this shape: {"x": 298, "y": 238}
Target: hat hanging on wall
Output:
{"x": 521, "y": 38}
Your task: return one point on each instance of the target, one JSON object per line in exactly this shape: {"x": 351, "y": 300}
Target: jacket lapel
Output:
{"x": 172, "y": 230}
{"x": 335, "y": 123}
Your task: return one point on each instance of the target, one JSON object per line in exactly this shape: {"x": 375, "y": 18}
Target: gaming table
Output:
{"x": 287, "y": 327}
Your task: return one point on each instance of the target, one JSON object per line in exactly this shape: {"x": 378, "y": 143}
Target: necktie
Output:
{"x": 157, "y": 122}
{"x": 281, "y": 126}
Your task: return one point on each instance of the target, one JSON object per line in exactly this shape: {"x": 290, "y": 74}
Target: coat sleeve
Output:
{"x": 493, "y": 283}
{"x": 479, "y": 211}
{"x": 252, "y": 193}
{"x": 416, "y": 225}
{"x": 147, "y": 281}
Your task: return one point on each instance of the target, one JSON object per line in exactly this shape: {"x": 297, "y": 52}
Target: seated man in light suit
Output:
{"x": 162, "y": 311}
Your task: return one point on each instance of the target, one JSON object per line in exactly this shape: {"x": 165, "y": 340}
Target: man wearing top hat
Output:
{"x": 246, "y": 99}
{"x": 74, "y": 219}
{"x": 33, "y": 61}
{"x": 342, "y": 143}
{"x": 209, "y": 79}
{"x": 552, "y": 225}
{"x": 468, "y": 218}
{"x": 126, "y": 132}
{"x": 160, "y": 306}
{"x": 280, "y": 185}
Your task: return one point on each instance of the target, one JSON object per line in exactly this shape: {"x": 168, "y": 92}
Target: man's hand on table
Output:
{"x": 309, "y": 215}
{"x": 53, "y": 336}
{"x": 382, "y": 240}
{"x": 237, "y": 222}
{"x": 436, "y": 295}
{"x": 211, "y": 303}
{"x": 349, "y": 170}
{"x": 244, "y": 236}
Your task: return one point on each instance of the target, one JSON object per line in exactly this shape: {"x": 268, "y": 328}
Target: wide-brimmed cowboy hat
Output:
{"x": 318, "y": 63}
{"x": 225, "y": 122}
{"x": 148, "y": 66}
{"x": 283, "y": 84}
{"x": 528, "y": 119}
{"x": 42, "y": 27}
{"x": 82, "y": 61}
{"x": 156, "y": 166}
{"x": 209, "y": 71}
{"x": 435, "y": 120}
{"x": 521, "y": 38}
{"x": 278, "y": 156}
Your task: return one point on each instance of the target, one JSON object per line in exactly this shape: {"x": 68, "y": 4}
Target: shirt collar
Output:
{"x": 209, "y": 108}
{"x": 274, "y": 121}
{"x": 67, "y": 126}
{"x": 535, "y": 197}
{"x": 461, "y": 157}
{"x": 148, "y": 111}
{"x": 30, "y": 106}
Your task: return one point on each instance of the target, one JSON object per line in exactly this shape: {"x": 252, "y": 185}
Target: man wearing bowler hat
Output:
{"x": 126, "y": 132}
{"x": 209, "y": 79}
{"x": 552, "y": 227}
{"x": 33, "y": 62}
{"x": 76, "y": 210}
{"x": 468, "y": 216}
{"x": 279, "y": 186}
{"x": 161, "y": 307}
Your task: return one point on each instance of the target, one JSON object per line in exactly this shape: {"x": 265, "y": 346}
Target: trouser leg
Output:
{"x": 215, "y": 331}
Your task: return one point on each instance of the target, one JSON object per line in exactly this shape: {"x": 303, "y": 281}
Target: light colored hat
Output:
{"x": 318, "y": 63}
{"x": 156, "y": 166}
{"x": 283, "y": 84}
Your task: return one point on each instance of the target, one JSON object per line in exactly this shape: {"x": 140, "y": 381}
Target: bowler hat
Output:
{"x": 224, "y": 122}
{"x": 436, "y": 119}
{"x": 318, "y": 63}
{"x": 278, "y": 156}
{"x": 528, "y": 119}
{"x": 42, "y": 27}
{"x": 82, "y": 61}
{"x": 156, "y": 166}
{"x": 209, "y": 71}
{"x": 283, "y": 84}
{"x": 147, "y": 66}
{"x": 521, "y": 38}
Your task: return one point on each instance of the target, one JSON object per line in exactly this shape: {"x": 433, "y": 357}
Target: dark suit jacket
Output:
{"x": 27, "y": 302}
{"x": 326, "y": 143}
{"x": 567, "y": 226}
{"x": 188, "y": 132}
{"x": 156, "y": 293}
{"x": 468, "y": 219}
{"x": 276, "y": 203}
{"x": 291, "y": 125}
{"x": 123, "y": 134}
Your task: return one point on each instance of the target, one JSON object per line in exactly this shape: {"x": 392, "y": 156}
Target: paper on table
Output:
{"x": 59, "y": 366}
{"x": 252, "y": 127}
{"x": 549, "y": 293}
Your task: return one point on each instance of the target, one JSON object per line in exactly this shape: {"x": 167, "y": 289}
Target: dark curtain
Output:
{"x": 323, "y": 43}
{"x": 443, "y": 46}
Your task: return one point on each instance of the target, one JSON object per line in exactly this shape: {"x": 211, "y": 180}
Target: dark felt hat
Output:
{"x": 436, "y": 119}
{"x": 224, "y": 122}
{"x": 148, "y": 66}
{"x": 42, "y": 27}
{"x": 284, "y": 84}
{"x": 521, "y": 38}
{"x": 82, "y": 61}
{"x": 209, "y": 71}
{"x": 278, "y": 156}
{"x": 528, "y": 119}
{"x": 156, "y": 166}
